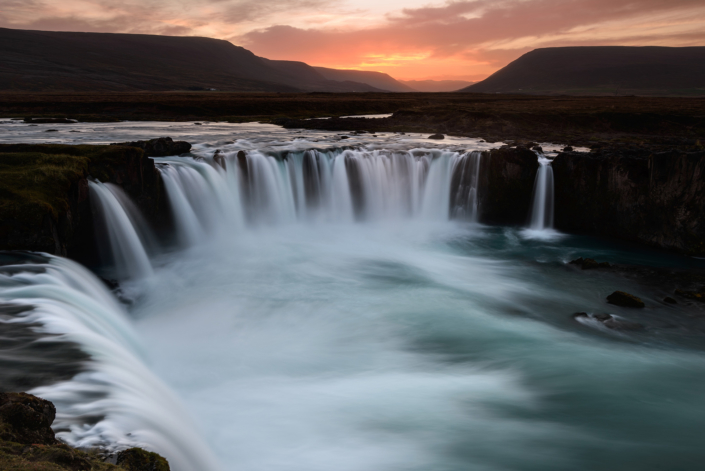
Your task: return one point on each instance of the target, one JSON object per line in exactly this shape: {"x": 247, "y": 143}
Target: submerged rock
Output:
{"x": 436, "y": 136}
{"x": 669, "y": 300}
{"x": 694, "y": 295}
{"x": 609, "y": 321}
{"x": 621, "y": 298}
{"x": 589, "y": 263}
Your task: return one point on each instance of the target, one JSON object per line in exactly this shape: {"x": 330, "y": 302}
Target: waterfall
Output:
{"x": 117, "y": 402}
{"x": 465, "y": 197}
{"x": 127, "y": 233}
{"x": 210, "y": 195}
{"x": 542, "y": 204}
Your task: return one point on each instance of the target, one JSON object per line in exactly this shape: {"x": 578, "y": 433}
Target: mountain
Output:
{"x": 605, "y": 70}
{"x": 59, "y": 61}
{"x": 436, "y": 85}
{"x": 375, "y": 79}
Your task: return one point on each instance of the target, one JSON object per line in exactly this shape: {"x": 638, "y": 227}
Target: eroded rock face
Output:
{"x": 652, "y": 198}
{"x": 26, "y": 419}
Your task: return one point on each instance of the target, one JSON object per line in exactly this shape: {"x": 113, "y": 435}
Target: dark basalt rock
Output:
{"x": 160, "y": 147}
{"x": 26, "y": 419}
{"x": 635, "y": 194}
{"x": 436, "y": 136}
{"x": 620, "y": 298}
{"x": 506, "y": 185}
{"x": 137, "y": 459}
{"x": 589, "y": 263}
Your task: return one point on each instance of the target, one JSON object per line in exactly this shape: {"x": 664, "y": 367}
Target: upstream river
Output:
{"x": 322, "y": 308}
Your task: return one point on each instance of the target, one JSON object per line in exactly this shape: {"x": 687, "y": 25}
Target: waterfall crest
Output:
{"x": 230, "y": 190}
{"x": 542, "y": 204}
{"x": 126, "y": 232}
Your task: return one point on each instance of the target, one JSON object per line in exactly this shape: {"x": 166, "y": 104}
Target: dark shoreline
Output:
{"x": 569, "y": 120}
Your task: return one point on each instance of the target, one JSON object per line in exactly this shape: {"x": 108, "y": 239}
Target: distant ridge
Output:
{"x": 59, "y": 61}
{"x": 604, "y": 70}
{"x": 437, "y": 85}
{"x": 375, "y": 79}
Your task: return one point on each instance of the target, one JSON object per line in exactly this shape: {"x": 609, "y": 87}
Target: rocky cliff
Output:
{"x": 507, "y": 184}
{"x": 44, "y": 198}
{"x": 657, "y": 198}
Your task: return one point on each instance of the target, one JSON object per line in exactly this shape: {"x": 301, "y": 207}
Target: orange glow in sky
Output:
{"x": 410, "y": 39}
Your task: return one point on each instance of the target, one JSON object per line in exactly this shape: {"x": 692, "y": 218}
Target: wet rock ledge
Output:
{"x": 44, "y": 198}
{"x": 27, "y": 442}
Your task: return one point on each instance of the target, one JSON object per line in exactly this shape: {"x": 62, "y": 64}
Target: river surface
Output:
{"x": 387, "y": 336}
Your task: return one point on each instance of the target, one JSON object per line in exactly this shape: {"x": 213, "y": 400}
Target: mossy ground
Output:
{"x": 19, "y": 457}
{"x": 35, "y": 179}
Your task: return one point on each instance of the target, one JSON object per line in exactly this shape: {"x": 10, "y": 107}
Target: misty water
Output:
{"x": 302, "y": 328}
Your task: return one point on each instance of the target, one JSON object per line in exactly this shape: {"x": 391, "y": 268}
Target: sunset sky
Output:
{"x": 409, "y": 39}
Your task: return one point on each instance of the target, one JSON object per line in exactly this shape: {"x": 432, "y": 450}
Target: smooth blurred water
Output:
{"x": 404, "y": 344}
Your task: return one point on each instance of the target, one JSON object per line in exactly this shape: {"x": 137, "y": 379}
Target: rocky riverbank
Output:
{"x": 27, "y": 443}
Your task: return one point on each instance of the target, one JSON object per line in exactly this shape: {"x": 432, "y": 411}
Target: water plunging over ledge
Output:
{"x": 329, "y": 308}
{"x": 542, "y": 204}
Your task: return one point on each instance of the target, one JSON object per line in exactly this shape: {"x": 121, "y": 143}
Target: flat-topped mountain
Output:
{"x": 60, "y": 61}
{"x": 608, "y": 70}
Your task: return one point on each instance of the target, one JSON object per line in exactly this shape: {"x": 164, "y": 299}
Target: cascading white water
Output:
{"x": 466, "y": 199}
{"x": 127, "y": 233}
{"x": 133, "y": 406}
{"x": 208, "y": 196}
{"x": 542, "y": 204}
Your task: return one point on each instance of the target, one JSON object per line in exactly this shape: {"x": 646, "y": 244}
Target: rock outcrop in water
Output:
{"x": 44, "y": 199}
{"x": 27, "y": 442}
{"x": 654, "y": 198}
{"x": 508, "y": 176}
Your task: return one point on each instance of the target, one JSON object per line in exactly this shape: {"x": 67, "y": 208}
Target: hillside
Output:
{"x": 609, "y": 70}
{"x": 374, "y": 79}
{"x": 437, "y": 85}
{"x": 59, "y": 61}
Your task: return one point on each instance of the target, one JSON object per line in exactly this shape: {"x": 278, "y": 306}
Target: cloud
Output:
{"x": 467, "y": 38}
{"x": 479, "y": 36}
